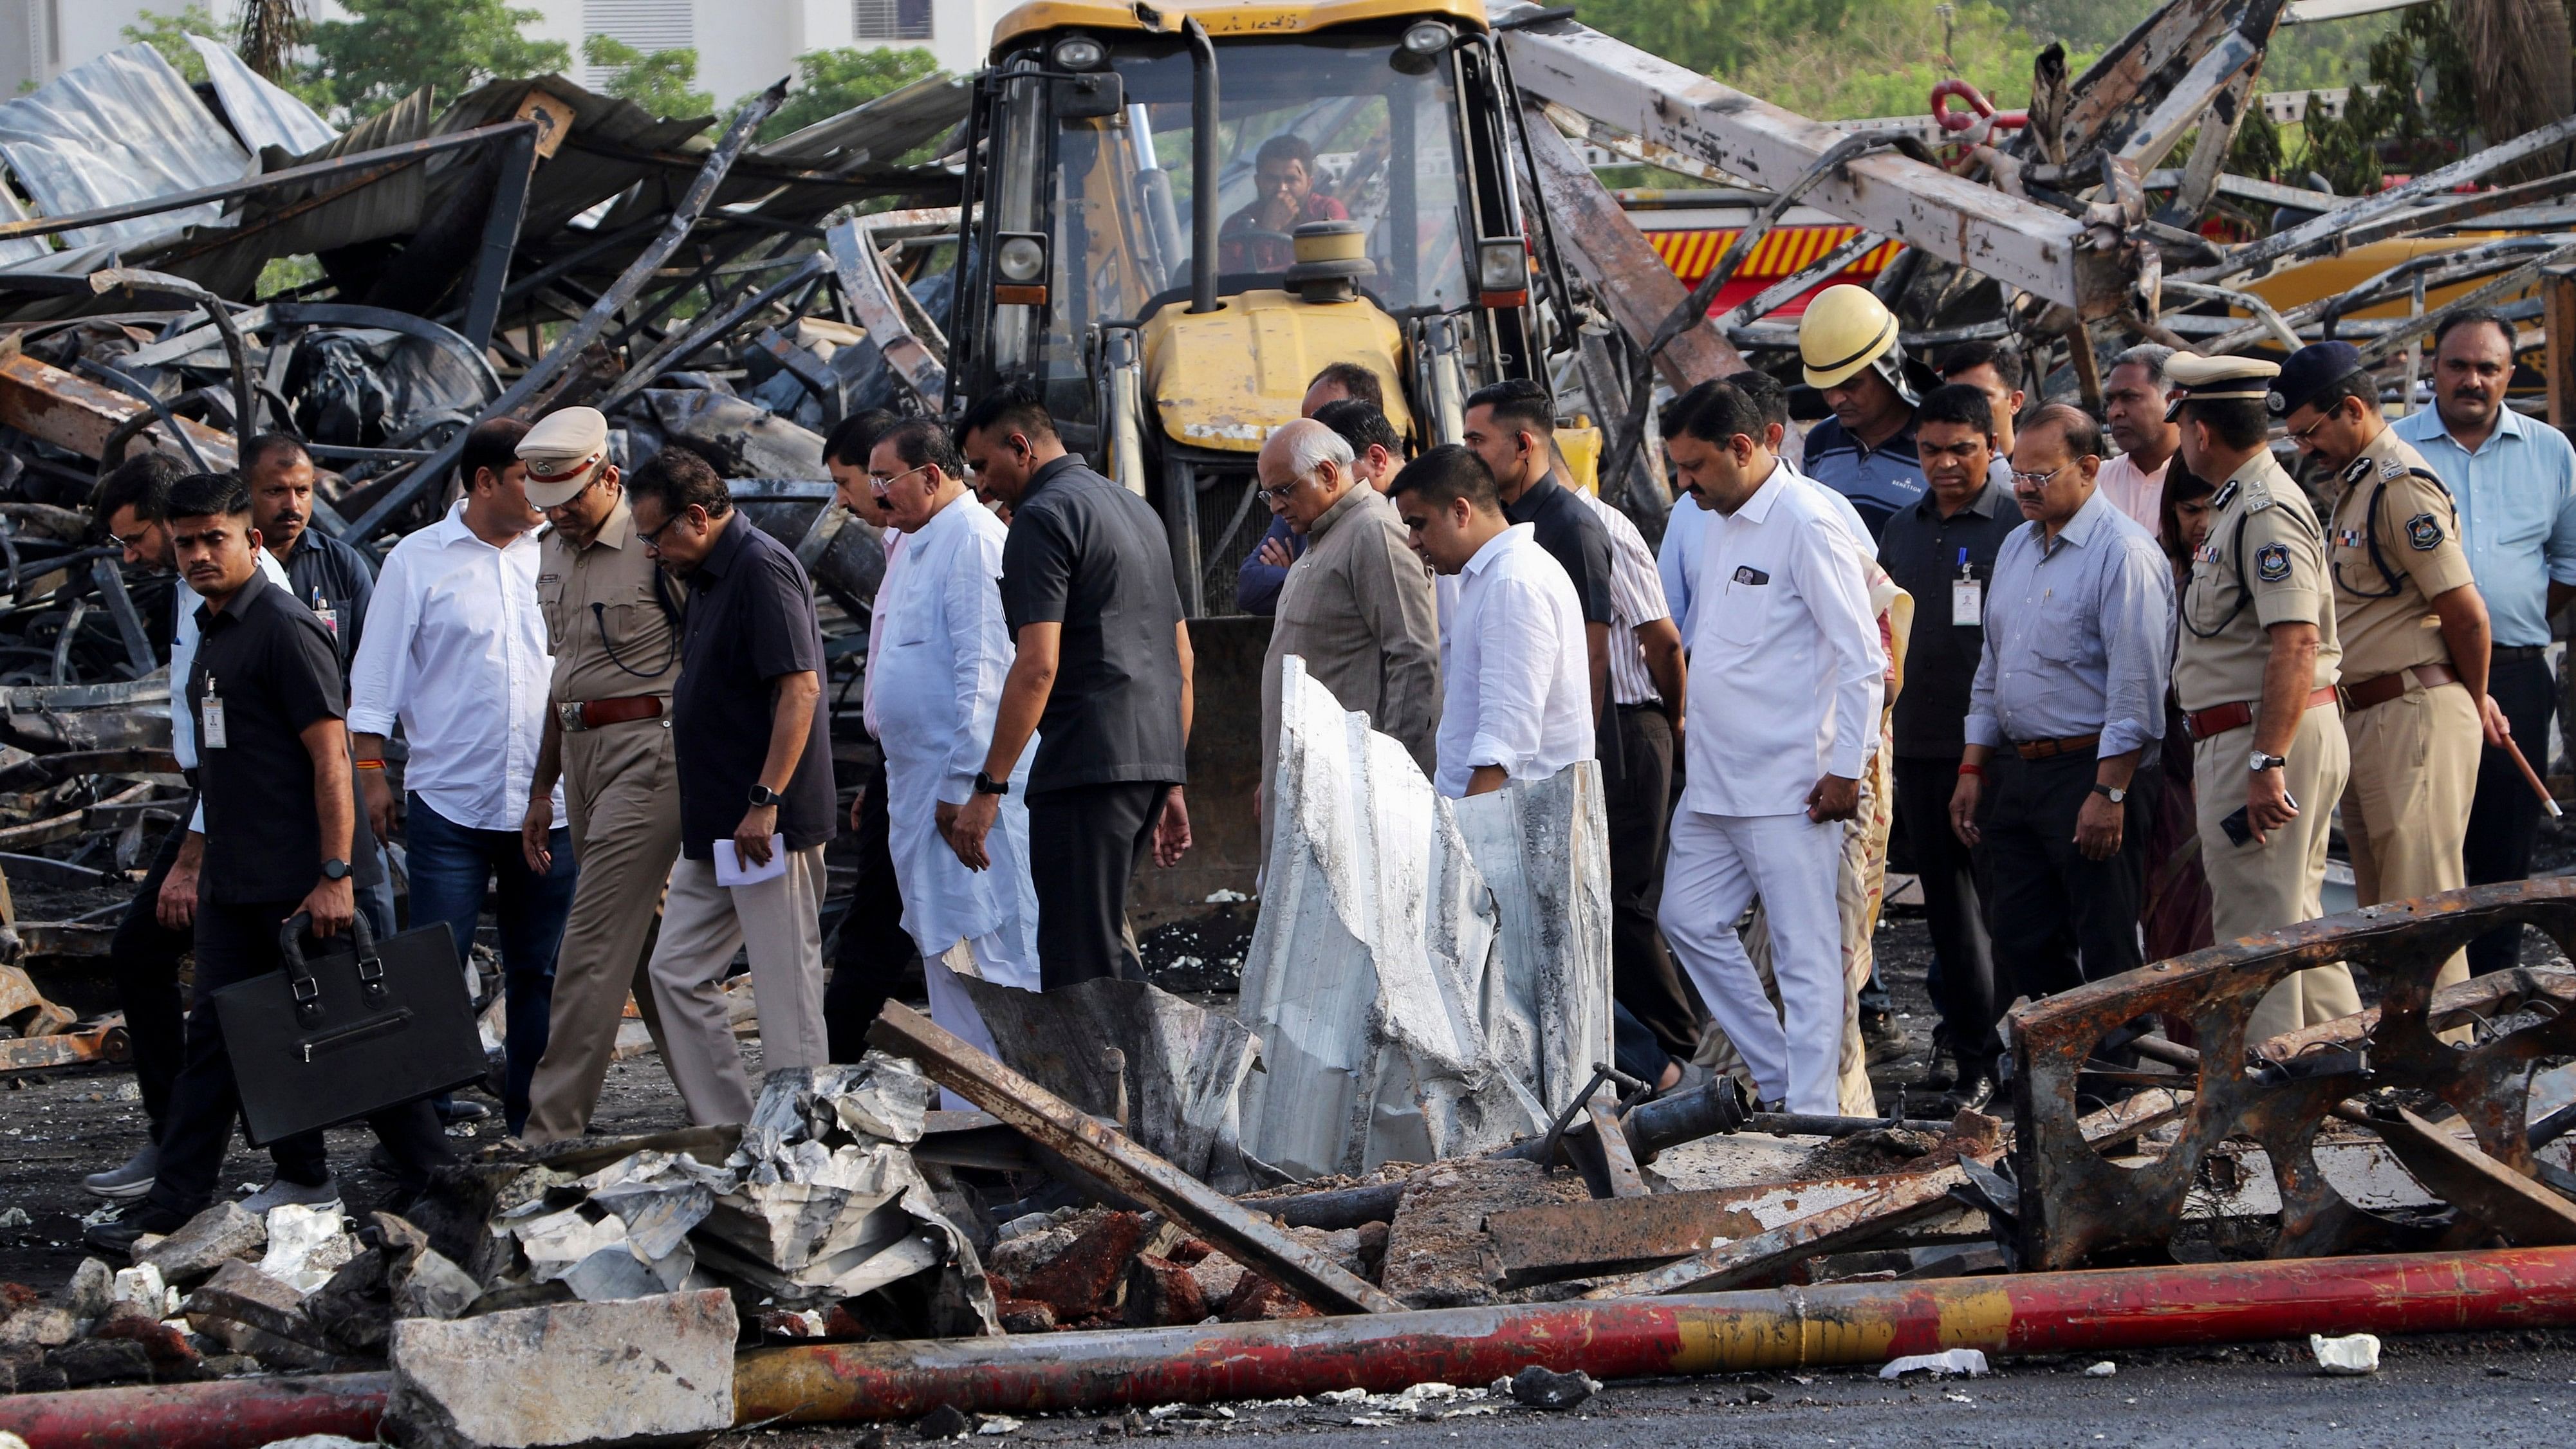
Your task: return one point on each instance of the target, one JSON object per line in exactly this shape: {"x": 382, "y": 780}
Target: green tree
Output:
{"x": 829, "y": 82}
{"x": 169, "y": 34}
{"x": 2418, "y": 112}
{"x": 664, "y": 83}
{"x": 390, "y": 48}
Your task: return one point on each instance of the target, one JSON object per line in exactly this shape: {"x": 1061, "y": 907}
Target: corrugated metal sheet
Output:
{"x": 262, "y": 114}
{"x": 124, "y": 127}
{"x": 881, "y": 132}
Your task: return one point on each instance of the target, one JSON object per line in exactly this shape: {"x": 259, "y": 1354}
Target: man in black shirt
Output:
{"x": 1512, "y": 426}
{"x": 1941, "y": 549}
{"x": 337, "y": 583}
{"x": 274, "y": 776}
{"x": 755, "y": 761}
{"x": 1101, "y": 674}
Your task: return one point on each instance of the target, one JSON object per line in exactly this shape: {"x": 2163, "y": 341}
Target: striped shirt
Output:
{"x": 1636, "y": 598}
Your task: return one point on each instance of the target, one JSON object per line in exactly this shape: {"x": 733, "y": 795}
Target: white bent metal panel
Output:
{"x": 124, "y": 127}
{"x": 1372, "y": 961}
{"x": 2014, "y": 241}
{"x": 1543, "y": 848}
{"x": 262, "y": 113}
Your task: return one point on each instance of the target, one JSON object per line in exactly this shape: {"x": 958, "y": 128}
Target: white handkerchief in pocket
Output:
{"x": 731, "y": 871}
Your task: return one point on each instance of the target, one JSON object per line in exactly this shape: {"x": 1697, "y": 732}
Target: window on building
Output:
{"x": 647, "y": 25}
{"x": 890, "y": 20}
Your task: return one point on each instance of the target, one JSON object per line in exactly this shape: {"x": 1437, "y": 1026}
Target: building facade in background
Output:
{"x": 742, "y": 45}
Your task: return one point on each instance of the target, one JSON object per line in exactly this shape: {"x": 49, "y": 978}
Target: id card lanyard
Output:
{"x": 1967, "y": 595}
{"x": 213, "y": 710}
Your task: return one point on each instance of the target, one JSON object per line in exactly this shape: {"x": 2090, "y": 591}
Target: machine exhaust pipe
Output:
{"x": 1203, "y": 138}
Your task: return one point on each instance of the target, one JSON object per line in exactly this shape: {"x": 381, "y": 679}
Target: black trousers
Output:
{"x": 1637, "y": 800}
{"x": 876, "y": 953}
{"x": 144, "y": 958}
{"x": 2058, "y": 920}
{"x": 2504, "y": 816}
{"x": 236, "y": 943}
{"x": 1954, "y": 891}
{"x": 1086, "y": 844}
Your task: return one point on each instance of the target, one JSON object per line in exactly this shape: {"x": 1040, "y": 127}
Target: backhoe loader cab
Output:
{"x": 1179, "y": 215}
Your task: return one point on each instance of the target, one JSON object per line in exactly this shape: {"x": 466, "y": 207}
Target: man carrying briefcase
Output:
{"x": 273, "y": 770}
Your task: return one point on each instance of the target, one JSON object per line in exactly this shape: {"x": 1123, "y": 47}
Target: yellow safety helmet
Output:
{"x": 1844, "y": 330}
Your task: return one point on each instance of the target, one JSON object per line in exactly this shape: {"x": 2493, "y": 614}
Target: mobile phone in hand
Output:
{"x": 2240, "y": 831}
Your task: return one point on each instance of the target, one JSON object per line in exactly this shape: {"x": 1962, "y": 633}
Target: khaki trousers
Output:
{"x": 2259, "y": 888}
{"x": 624, "y": 800}
{"x": 2406, "y": 808}
{"x": 703, "y": 924}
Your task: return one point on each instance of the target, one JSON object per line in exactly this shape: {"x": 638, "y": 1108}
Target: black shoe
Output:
{"x": 1972, "y": 1094}
{"x": 1881, "y": 1037}
{"x": 115, "y": 1237}
{"x": 1944, "y": 1070}
{"x": 457, "y": 1109}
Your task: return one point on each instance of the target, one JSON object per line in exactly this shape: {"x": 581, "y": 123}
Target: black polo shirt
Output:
{"x": 749, "y": 620}
{"x": 337, "y": 583}
{"x": 1091, "y": 556}
{"x": 1921, "y": 551}
{"x": 1570, "y": 531}
{"x": 271, "y": 666}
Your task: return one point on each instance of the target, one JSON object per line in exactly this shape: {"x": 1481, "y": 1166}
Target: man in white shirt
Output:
{"x": 456, "y": 652}
{"x": 132, "y": 504}
{"x": 1787, "y": 678}
{"x": 938, "y": 685}
{"x": 1515, "y": 685}
{"x": 2136, "y": 395}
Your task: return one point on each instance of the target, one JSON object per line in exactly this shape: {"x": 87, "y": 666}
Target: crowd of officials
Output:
{"x": 2099, "y": 683}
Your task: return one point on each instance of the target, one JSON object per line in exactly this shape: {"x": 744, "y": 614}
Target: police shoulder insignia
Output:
{"x": 2424, "y": 531}
{"x": 2272, "y": 562}
{"x": 2258, "y": 496}
{"x": 2359, "y": 470}
{"x": 2226, "y": 495}
{"x": 2392, "y": 469}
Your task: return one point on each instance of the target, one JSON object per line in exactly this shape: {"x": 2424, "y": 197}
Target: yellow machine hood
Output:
{"x": 1226, "y": 379}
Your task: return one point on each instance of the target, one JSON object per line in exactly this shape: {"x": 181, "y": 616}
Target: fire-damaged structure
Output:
{"x": 1161, "y": 1200}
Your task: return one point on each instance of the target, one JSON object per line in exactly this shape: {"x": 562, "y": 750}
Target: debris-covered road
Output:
{"x": 2465, "y": 1389}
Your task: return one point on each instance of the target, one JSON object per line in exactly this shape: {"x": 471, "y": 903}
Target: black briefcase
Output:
{"x": 365, "y": 1026}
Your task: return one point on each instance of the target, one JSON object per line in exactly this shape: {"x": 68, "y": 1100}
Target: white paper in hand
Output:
{"x": 731, "y": 870}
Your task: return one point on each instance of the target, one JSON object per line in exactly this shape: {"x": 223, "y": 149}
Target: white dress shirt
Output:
{"x": 183, "y": 657}
{"x": 1515, "y": 670}
{"x": 1787, "y": 672}
{"x": 455, "y": 650}
{"x": 946, "y": 652}
{"x": 1686, "y": 529}
{"x": 1636, "y": 598}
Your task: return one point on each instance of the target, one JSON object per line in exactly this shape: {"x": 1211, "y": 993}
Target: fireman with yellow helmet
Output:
{"x": 1865, "y": 451}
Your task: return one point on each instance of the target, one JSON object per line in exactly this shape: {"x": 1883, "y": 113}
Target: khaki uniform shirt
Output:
{"x": 624, "y": 646}
{"x": 1357, "y": 607}
{"x": 2394, "y": 546}
{"x": 2264, "y": 564}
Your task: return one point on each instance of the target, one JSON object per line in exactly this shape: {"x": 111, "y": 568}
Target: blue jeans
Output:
{"x": 450, "y": 866}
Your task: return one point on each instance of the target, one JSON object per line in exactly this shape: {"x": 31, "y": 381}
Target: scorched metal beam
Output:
{"x": 2014, "y": 241}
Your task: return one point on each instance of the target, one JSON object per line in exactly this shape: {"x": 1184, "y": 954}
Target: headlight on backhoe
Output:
{"x": 1020, "y": 268}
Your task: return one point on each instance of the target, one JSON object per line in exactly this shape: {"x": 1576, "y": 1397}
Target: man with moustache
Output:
{"x": 264, "y": 697}
{"x": 2065, "y": 719}
{"x": 2513, "y": 479}
{"x": 2136, "y": 397}
{"x": 1865, "y": 451}
{"x": 612, "y": 622}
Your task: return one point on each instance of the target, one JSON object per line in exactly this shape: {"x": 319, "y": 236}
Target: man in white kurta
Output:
{"x": 941, "y": 652}
{"x": 1787, "y": 677}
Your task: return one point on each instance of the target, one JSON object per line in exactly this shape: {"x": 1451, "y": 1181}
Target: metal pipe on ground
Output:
{"x": 1861, "y": 1323}
{"x": 1787, "y": 1328}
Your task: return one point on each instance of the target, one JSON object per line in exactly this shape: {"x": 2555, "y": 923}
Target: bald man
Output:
{"x": 1357, "y": 604}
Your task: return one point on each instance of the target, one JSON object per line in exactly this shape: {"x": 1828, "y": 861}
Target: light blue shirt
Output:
{"x": 2517, "y": 497}
{"x": 2079, "y": 635}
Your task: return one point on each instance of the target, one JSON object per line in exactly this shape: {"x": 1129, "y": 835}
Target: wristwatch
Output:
{"x": 335, "y": 870}
{"x": 987, "y": 785}
{"x": 762, "y": 794}
{"x": 2110, "y": 792}
{"x": 2262, "y": 762}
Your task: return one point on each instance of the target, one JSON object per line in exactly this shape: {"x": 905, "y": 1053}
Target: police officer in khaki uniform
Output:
{"x": 2255, "y": 669}
{"x": 612, "y": 624}
{"x": 2414, "y": 633}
